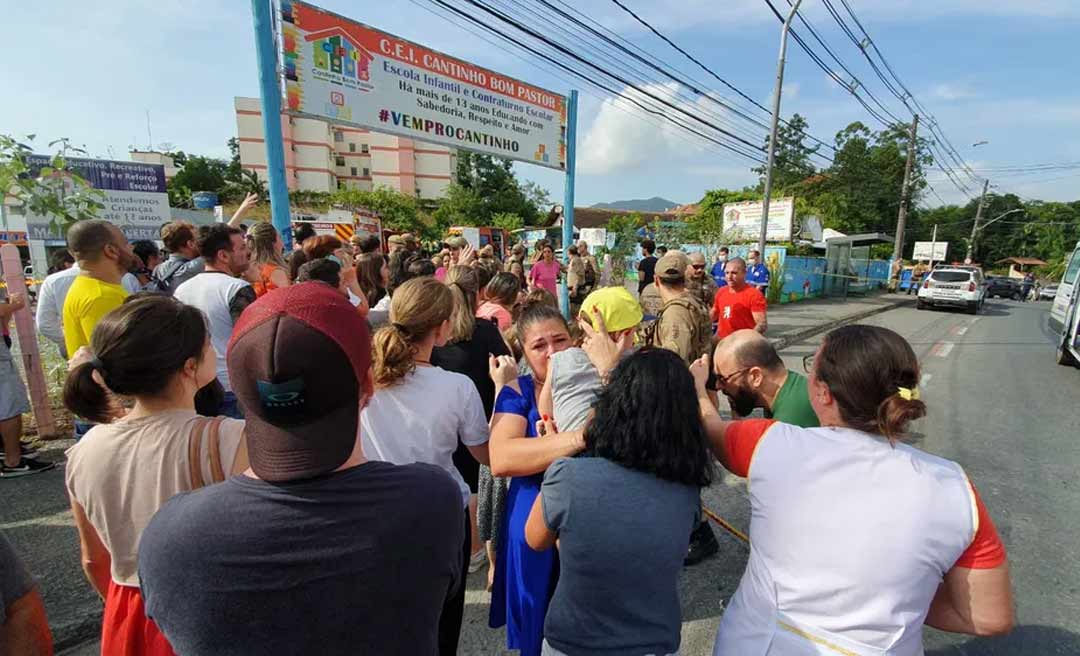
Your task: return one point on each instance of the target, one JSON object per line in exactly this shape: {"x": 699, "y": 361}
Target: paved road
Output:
{"x": 998, "y": 405}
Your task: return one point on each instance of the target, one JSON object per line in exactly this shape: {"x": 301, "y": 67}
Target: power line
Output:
{"x": 705, "y": 68}
{"x": 748, "y": 154}
{"x": 614, "y": 61}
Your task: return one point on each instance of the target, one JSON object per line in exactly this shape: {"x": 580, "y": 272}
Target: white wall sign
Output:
{"x": 743, "y": 220}
{"x": 922, "y": 250}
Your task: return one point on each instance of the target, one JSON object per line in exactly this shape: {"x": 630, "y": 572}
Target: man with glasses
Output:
{"x": 698, "y": 281}
{"x": 751, "y": 374}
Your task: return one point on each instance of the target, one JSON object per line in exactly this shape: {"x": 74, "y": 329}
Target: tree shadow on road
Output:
{"x": 1030, "y": 640}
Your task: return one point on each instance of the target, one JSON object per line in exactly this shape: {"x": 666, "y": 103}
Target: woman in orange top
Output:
{"x": 268, "y": 267}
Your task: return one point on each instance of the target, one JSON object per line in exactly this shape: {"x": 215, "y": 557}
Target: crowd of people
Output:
{"x": 309, "y": 452}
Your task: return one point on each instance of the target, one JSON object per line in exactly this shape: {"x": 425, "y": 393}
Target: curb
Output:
{"x": 784, "y": 341}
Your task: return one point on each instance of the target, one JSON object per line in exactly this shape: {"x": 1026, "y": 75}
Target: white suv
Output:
{"x": 952, "y": 286}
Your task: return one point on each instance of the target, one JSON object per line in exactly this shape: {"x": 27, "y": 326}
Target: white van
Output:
{"x": 1065, "y": 313}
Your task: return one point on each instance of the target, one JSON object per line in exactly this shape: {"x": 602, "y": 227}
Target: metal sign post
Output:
{"x": 270, "y": 92}
{"x": 568, "y": 203}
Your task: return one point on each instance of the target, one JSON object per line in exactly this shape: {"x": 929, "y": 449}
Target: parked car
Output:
{"x": 1003, "y": 287}
{"x": 951, "y": 286}
{"x": 1048, "y": 292}
{"x": 1065, "y": 313}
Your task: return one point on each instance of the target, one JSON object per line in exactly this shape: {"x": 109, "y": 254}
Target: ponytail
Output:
{"x": 84, "y": 397}
{"x": 463, "y": 283}
{"x": 895, "y": 413}
{"x": 137, "y": 350}
{"x": 417, "y": 308}
{"x": 393, "y": 353}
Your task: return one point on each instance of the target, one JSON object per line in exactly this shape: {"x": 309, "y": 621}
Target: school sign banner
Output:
{"x": 339, "y": 70}
{"x": 134, "y": 195}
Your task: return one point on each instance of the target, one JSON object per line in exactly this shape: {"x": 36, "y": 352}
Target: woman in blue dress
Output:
{"x": 525, "y": 579}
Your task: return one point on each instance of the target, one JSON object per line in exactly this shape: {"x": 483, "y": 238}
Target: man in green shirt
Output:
{"x": 752, "y": 375}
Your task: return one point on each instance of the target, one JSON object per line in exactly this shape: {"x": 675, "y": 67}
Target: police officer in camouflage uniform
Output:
{"x": 683, "y": 324}
{"x": 698, "y": 281}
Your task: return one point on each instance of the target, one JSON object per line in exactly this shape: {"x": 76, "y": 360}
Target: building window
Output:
{"x": 364, "y": 148}
{"x": 354, "y": 171}
{"x": 352, "y": 147}
{"x": 339, "y": 160}
{"x": 338, "y": 136}
{"x": 340, "y": 184}
{"x": 367, "y": 172}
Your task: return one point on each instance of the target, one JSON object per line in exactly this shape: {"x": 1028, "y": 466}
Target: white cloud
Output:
{"x": 954, "y": 91}
{"x": 624, "y": 136}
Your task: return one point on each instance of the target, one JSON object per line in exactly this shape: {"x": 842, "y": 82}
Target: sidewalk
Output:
{"x": 793, "y": 322}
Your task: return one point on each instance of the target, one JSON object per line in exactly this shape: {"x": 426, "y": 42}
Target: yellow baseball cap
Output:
{"x": 618, "y": 308}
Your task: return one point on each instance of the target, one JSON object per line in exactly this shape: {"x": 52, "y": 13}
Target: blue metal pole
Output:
{"x": 568, "y": 202}
{"x": 270, "y": 90}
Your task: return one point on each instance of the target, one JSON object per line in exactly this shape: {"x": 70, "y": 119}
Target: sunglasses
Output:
{"x": 698, "y": 267}
{"x": 725, "y": 379}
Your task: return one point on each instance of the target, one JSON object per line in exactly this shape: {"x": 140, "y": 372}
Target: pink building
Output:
{"x": 324, "y": 156}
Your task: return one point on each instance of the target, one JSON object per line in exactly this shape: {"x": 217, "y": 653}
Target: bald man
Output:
{"x": 698, "y": 281}
{"x": 751, "y": 374}
{"x": 738, "y": 305}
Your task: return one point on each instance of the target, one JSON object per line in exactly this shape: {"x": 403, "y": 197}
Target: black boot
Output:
{"x": 703, "y": 544}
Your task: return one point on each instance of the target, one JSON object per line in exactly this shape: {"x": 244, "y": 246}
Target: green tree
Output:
{"x": 56, "y": 190}
{"x": 507, "y": 221}
{"x": 398, "y": 211}
{"x": 623, "y": 227}
{"x": 792, "y": 162}
{"x": 462, "y": 206}
{"x": 202, "y": 174}
{"x": 235, "y": 170}
{"x": 494, "y": 189}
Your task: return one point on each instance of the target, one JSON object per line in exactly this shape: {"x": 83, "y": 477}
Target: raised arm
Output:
{"x": 250, "y": 200}
{"x": 715, "y": 426}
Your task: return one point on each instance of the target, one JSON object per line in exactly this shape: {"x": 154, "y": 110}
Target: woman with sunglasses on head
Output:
{"x": 857, "y": 540}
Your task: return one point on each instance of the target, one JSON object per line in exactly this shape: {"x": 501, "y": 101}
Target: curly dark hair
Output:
{"x": 647, "y": 419}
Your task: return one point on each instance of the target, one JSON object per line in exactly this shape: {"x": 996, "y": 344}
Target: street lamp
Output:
{"x": 975, "y": 229}
{"x": 979, "y": 143}
{"x": 771, "y": 149}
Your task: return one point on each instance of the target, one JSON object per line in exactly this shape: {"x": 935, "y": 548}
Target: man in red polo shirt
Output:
{"x": 737, "y": 305}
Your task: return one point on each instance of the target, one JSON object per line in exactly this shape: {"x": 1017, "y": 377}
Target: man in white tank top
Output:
{"x": 222, "y": 295}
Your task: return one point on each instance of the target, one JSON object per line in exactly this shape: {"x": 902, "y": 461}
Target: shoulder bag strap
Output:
{"x": 213, "y": 446}
{"x": 195, "y": 452}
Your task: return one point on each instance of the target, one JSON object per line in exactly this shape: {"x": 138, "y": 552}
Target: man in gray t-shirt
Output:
{"x": 25, "y": 629}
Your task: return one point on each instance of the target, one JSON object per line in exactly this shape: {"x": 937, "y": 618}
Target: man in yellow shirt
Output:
{"x": 104, "y": 256}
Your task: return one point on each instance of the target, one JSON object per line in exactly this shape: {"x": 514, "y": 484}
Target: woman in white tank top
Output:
{"x": 857, "y": 541}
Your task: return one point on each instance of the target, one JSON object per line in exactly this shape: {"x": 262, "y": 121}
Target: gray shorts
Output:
{"x": 548, "y": 650}
{"x": 13, "y": 399}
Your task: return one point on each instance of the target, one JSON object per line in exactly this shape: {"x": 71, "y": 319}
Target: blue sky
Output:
{"x": 1001, "y": 71}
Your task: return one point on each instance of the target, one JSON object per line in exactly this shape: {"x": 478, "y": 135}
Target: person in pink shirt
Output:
{"x": 544, "y": 274}
{"x": 502, "y": 294}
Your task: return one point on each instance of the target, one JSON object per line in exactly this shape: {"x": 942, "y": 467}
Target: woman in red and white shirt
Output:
{"x": 857, "y": 541}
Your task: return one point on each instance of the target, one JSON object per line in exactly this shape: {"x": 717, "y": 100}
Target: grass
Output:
{"x": 55, "y": 370}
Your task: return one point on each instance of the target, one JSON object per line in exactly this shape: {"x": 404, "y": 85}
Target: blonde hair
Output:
{"x": 418, "y": 307}
{"x": 261, "y": 239}
{"x": 464, "y": 284}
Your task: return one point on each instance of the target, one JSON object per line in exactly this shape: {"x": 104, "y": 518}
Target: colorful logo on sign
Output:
{"x": 334, "y": 52}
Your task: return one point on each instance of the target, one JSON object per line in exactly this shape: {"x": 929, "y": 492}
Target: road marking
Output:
{"x": 975, "y": 319}
{"x": 959, "y": 330}
{"x": 943, "y": 349}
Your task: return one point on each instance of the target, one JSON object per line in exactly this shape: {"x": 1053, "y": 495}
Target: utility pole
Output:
{"x": 772, "y": 130}
{"x": 975, "y": 228}
{"x": 933, "y": 246}
{"x": 905, "y": 193}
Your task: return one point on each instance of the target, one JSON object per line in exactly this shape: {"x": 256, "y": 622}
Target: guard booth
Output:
{"x": 848, "y": 264}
